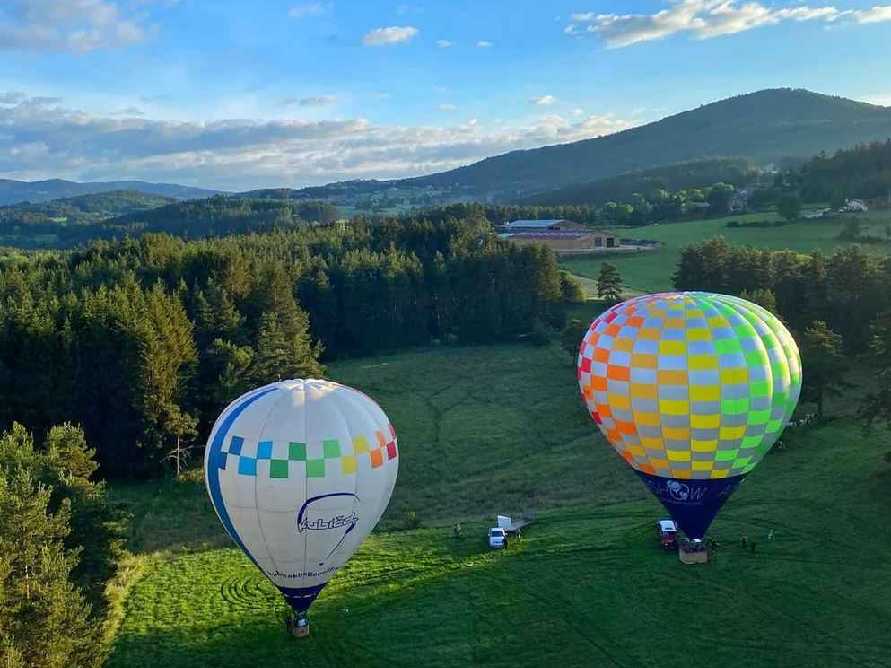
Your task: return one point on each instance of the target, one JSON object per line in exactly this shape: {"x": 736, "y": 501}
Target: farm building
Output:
{"x": 558, "y": 235}
{"x": 550, "y": 224}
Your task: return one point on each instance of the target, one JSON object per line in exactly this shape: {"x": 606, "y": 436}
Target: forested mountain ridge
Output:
{"x": 13, "y": 192}
{"x": 67, "y": 223}
{"x": 765, "y": 126}
{"x": 82, "y": 209}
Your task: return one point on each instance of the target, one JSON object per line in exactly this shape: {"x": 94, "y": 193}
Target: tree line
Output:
{"x": 837, "y": 306}
{"x": 862, "y": 172}
{"x": 143, "y": 341}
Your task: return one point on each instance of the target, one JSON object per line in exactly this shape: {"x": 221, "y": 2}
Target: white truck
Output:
{"x": 497, "y": 538}
{"x": 499, "y": 535}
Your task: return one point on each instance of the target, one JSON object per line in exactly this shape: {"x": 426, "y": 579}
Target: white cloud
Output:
{"x": 67, "y": 25}
{"x": 444, "y": 43}
{"x": 308, "y": 9}
{"x": 705, "y": 19}
{"x": 882, "y": 99}
{"x": 42, "y": 138}
{"x": 389, "y": 35}
{"x": 875, "y": 14}
{"x": 446, "y": 106}
{"x": 483, "y": 44}
{"x": 543, "y": 100}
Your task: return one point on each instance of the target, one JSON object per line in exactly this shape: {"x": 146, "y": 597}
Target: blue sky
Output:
{"x": 253, "y": 94}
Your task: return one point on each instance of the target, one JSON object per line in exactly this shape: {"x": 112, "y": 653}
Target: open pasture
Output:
{"x": 484, "y": 430}
{"x": 650, "y": 271}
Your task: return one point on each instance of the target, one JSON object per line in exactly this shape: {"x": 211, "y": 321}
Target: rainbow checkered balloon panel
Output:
{"x": 690, "y": 384}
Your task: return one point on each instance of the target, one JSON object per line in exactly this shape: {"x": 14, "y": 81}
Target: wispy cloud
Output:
{"x": 389, "y": 35}
{"x": 706, "y": 19}
{"x": 67, "y": 25}
{"x": 308, "y": 9}
{"x": 484, "y": 44}
{"x": 41, "y": 139}
{"x": 446, "y": 106}
{"x": 444, "y": 43}
{"x": 127, "y": 111}
{"x": 543, "y": 100}
{"x": 311, "y": 101}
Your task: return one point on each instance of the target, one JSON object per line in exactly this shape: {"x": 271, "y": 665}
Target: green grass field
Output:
{"x": 500, "y": 429}
{"x": 651, "y": 271}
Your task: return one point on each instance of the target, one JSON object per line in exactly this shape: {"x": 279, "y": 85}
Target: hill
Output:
{"x": 82, "y": 209}
{"x": 233, "y": 214}
{"x": 13, "y": 192}
{"x": 696, "y": 174}
{"x": 766, "y": 126}
{"x": 69, "y": 222}
{"x": 587, "y": 585}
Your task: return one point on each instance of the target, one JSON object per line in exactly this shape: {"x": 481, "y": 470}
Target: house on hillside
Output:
{"x": 739, "y": 201}
{"x": 561, "y": 236}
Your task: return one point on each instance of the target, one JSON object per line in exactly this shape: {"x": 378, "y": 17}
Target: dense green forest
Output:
{"x": 143, "y": 341}
{"x": 862, "y": 171}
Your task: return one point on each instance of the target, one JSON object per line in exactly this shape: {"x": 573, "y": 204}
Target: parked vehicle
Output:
{"x": 497, "y": 538}
{"x": 668, "y": 534}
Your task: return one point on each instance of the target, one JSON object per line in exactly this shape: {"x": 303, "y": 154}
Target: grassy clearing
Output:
{"x": 501, "y": 429}
{"x": 651, "y": 271}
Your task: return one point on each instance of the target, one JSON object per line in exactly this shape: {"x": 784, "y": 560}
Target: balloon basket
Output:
{"x": 692, "y": 552}
{"x": 297, "y": 626}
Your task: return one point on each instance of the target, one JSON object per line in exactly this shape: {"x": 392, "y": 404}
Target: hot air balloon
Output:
{"x": 691, "y": 389}
{"x": 299, "y": 472}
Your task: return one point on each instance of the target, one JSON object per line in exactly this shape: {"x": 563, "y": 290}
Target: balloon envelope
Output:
{"x": 299, "y": 472}
{"x": 691, "y": 389}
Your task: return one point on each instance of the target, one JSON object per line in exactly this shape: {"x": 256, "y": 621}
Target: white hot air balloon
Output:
{"x": 299, "y": 472}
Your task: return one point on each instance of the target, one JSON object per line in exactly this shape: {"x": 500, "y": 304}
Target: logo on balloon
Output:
{"x": 329, "y": 512}
{"x": 678, "y": 490}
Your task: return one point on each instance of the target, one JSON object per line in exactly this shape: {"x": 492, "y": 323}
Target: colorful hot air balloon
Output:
{"x": 691, "y": 389}
{"x": 299, "y": 473}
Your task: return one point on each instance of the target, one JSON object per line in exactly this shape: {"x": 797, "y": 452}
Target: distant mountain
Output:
{"x": 696, "y": 174}
{"x": 766, "y": 126}
{"x": 13, "y": 192}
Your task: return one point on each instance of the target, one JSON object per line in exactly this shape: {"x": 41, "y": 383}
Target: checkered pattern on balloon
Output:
{"x": 691, "y": 389}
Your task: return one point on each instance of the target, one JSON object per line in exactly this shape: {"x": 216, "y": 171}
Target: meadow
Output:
{"x": 651, "y": 271}
{"x": 501, "y": 429}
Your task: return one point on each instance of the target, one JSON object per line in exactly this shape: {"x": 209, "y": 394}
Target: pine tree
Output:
{"x": 44, "y": 619}
{"x": 821, "y": 356}
{"x": 609, "y": 284}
